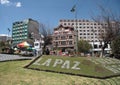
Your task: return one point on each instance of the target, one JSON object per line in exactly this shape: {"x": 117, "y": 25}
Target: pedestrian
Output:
{"x": 35, "y": 52}
{"x": 47, "y": 51}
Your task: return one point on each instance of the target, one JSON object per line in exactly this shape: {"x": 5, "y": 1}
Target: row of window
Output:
{"x": 82, "y": 23}
{"x": 16, "y": 41}
{"x": 74, "y": 20}
{"x": 19, "y": 25}
{"x": 14, "y": 36}
{"x": 19, "y": 38}
{"x": 90, "y": 34}
{"x": 63, "y": 37}
{"x": 19, "y": 31}
{"x": 98, "y": 46}
{"x": 86, "y": 37}
{"x": 91, "y": 30}
{"x": 88, "y": 27}
{"x": 64, "y": 43}
{"x": 19, "y": 28}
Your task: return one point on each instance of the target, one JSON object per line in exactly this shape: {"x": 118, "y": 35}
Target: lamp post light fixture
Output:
{"x": 75, "y": 28}
{"x": 93, "y": 41}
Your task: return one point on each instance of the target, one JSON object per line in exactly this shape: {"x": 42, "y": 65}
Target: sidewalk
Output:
{"x": 8, "y": 57}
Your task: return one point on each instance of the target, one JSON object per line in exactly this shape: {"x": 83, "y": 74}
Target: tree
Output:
{"x": 110, "y": 25}
{"x": 4, "y": 45}
{"x": 47, "y": 35}
{"x": 116, "y": 46}
{"x": 84, "y": 46}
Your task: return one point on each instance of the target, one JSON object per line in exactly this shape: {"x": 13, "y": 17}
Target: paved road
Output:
{"x": 8, "y": 57}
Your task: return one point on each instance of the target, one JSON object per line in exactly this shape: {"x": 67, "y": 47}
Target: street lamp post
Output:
{"x": 93, "y": 40}
{"x": 75, "y": 27}
{"x": 76, "y": 31}
{"x": 8, "y": 34}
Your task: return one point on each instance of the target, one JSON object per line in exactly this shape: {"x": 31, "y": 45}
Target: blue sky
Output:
{"x": 49, "y": 12}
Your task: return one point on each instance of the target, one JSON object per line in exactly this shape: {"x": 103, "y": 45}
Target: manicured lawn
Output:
{"x": 91, "y": 67}
{"x": 13, "y": 73}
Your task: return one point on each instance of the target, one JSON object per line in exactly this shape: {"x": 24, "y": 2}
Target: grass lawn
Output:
{"x": 91, "y": 67}
{"x": 13, "y": 73}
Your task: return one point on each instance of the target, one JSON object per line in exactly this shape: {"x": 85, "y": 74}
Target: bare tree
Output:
{"x": 47, "y": 35}
{"x": 110, "y": 27}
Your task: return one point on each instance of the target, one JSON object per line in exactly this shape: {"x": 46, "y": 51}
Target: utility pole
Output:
{"x": 93, "y": 40}
{"x": 75, "y": 27}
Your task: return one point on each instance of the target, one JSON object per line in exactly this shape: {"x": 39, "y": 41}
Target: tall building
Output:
{"x": 23, "y": 30}
{"x": 63, "y": 37}
{"x": 87, "y": 30}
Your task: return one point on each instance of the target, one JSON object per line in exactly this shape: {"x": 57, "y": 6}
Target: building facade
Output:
{"x": 4, "y": 37}
{"x": 63, "y": 37}
{"x": 22, "y": 30}
{"x": 38, "y": 45}
{"x": 87, "y": 30}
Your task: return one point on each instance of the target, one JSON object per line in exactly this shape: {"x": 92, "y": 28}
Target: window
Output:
{"x": 62, "y": 37}
{"x": 87, "y": 30}
{"x": 64, "y": 23}
{"x": 56, "y": 38}
{"x": 100, "y": 46}
{"x": 80, "y": 33}
{"x": 79, "y": 23}
{"x": 36, "y": 44}
{"x": 83, "y": 23}
{"x": 70, "y": 42}
{"x": 70, "y": 37}
{"x": 95, "y": 46}
{"x": 68, "y": 23}
{"x": 63, "y": 43}
{"x": 88, "y": 33}
{"x": 56, "y": 44}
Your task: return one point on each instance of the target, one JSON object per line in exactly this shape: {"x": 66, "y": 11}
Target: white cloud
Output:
{"x": 18, "y": 4}
{"x": 9, "y": 3}
{"x": 5, "y": 2}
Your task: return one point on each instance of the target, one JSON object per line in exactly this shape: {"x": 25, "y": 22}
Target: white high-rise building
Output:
{"x": 87, "y": 30}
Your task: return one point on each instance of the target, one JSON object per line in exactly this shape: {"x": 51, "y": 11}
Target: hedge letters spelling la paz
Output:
{"x": 64, "y": 64}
